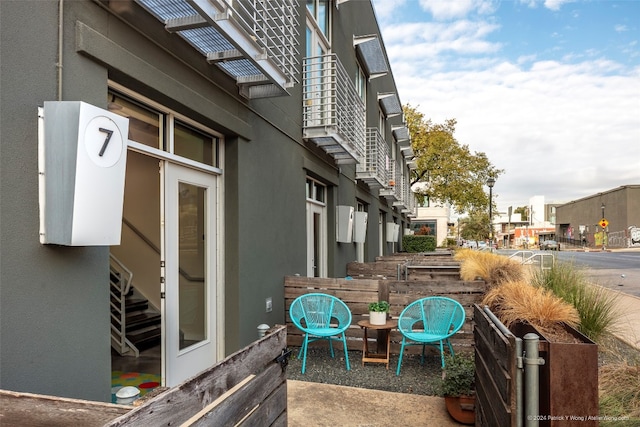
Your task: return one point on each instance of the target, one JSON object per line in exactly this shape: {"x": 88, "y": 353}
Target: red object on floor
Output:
{"x": 150, "y": 384}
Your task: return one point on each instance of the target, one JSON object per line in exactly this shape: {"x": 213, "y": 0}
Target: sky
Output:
{"x": 549, "y": 90}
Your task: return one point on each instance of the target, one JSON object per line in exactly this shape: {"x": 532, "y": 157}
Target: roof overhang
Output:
{"x": 252, "y": 43}
{"x": 370, "y": 52}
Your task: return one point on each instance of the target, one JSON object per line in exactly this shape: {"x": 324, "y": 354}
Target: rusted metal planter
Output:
{"x": 568, "y": 379}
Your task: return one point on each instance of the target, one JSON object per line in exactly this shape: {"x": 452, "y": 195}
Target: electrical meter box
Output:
{"x": 360, "y": 227}
{"x": 344, "y": 224}
{"x": 392, "y": 232}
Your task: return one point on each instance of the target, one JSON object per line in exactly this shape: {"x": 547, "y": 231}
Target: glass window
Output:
{"x": 316, "y": 191}
{"x": 194, "y": 145}
{"x": 147, "y": 126}
{"x": 361, "y": 84}
{"x": 319, "y": 10}
{"x": 144, "y": 123}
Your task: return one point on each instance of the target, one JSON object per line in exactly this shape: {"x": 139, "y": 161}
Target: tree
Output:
{"x": 447, "y": 171}
{"x": 523, "y": 211}
{"x": 475, "y": 226}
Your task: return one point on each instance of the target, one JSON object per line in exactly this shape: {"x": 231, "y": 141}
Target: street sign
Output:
{"x": 603, "y": 223}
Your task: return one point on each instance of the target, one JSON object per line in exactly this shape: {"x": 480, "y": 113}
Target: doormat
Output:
{"x": 144, "y": 382}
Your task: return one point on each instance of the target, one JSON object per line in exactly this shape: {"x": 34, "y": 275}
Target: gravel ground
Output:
{"x": 321, "y": 368}
{"x": 414, "y": 378}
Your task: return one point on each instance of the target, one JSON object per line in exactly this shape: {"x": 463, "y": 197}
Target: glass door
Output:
{"x": 189, "y": 304}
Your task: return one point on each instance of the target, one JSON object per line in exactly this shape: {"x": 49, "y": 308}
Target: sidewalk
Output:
{"x": 318, "y": 405}
{"x": 627, "y": 327}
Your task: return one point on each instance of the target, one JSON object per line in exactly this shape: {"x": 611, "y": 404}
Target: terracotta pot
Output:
{"x": 462, "y": 408}
{"x": 378, "y": 317}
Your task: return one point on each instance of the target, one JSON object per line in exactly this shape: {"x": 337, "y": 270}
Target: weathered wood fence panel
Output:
{"x": 248, "y": 387}
{"x": 36, "y": 410}
{"x": 496, "y": 358}
{"x": 357, "y": 294}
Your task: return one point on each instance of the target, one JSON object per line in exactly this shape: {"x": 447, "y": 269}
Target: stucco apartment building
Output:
{"x": 202, "y": 149}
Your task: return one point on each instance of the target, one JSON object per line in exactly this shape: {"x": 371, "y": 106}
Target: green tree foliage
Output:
{"x": 523, "y": 211}
{"x": 475, "y": 226}
{"x": 447, "y": 171}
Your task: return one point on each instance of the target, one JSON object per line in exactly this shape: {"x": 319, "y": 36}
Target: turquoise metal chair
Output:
{"x": 430, "y": 321}
{"x": 320, "y": 316}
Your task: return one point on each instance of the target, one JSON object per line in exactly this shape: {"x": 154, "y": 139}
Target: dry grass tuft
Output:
{"x": 517, "y": 301}
{"x": 619, "y": 386}
{"x": 492, "y": 268}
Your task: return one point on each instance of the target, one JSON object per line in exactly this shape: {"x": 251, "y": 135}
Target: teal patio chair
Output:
{"x": 320, "y": 316}
{"x": 430, "y": 321}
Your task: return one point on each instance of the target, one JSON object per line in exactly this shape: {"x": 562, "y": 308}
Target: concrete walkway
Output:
{"x": 627, "y": 327}
{"x": 313, "y": 404}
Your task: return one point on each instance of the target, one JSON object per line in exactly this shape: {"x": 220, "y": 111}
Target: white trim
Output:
{"x": 182, "y": 161}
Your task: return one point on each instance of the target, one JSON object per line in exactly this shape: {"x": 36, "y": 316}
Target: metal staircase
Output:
{"x": 135, "y": 325}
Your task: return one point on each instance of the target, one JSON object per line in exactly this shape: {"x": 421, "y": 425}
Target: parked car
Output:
{"x": 550, "y": 245}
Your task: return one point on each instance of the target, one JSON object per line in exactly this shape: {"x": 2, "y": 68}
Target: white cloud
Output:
{"x": 554, "y": 5}
{"x": 559, "y": 130}
{"x": 620, "y": 28}
{"x": 564, "y": 128}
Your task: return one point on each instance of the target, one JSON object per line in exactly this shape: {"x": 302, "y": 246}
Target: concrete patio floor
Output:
{"x": 314, "y": 404}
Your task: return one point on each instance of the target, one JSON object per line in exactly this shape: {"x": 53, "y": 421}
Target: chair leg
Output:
{"x": 304, "y": 357}
{"x": 442, "y": 353}
{"x": 331, "y": 346}
{"x": 346, "y": 354}
{"x": 450, "y": 348}
{"x": 400, "y": 358}
{"x": 422, "y": 356}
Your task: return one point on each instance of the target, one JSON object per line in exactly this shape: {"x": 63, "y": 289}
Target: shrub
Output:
{"x": 458, "y": 375}
{"x": 450, "y": 243}
{"x": 413, "y": 243}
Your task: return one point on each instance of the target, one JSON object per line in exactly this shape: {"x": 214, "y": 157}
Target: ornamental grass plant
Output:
{"x": 492, "y": 268}
{"x": 619, "y": 388}
{"x": 518, "y": 301}
{"x": 596, "y": 305}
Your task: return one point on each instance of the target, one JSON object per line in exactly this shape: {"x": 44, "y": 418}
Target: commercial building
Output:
{"x": 610, "y": 219}
{"x": 247, "y": 140}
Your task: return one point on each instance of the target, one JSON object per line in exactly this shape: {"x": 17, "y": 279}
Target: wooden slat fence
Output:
{"x": 246, "y": 388}
{"x": 496, "y": 367}
{"x": 357, "y": 294}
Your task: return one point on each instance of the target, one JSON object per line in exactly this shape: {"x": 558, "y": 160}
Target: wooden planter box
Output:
{"x": 568, "y": 379}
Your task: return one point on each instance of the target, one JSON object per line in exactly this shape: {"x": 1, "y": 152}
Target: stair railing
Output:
{"x": 542, "y": 260}
{"x": 119, "y": 289}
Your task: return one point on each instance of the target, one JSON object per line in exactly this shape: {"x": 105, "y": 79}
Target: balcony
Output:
{"x": 254, "y": 42}
{"x": 373, "y": 170}
{"x": 393, "y": 190}
{"x": 333, "y": 113}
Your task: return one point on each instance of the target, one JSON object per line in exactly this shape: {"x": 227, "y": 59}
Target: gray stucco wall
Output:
{"x": 54, "y": 301}
{"x": 54, "y": 312}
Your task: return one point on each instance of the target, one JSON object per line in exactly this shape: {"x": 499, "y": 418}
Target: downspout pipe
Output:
{"x": 532, "y": 363}
{"x": 60, "y": 47}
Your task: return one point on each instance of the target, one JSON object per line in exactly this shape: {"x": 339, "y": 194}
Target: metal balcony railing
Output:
{"x": 254, "y": 41}
{"x": 333, "y": 112}
{"x": 393, "y": 191}
{"x": 373, "y": 169}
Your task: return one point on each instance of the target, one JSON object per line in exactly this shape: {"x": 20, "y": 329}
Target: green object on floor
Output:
{"x": 144, "y": 382}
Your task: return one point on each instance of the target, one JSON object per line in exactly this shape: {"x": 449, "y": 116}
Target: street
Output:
{"x": 618, "y": 270}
